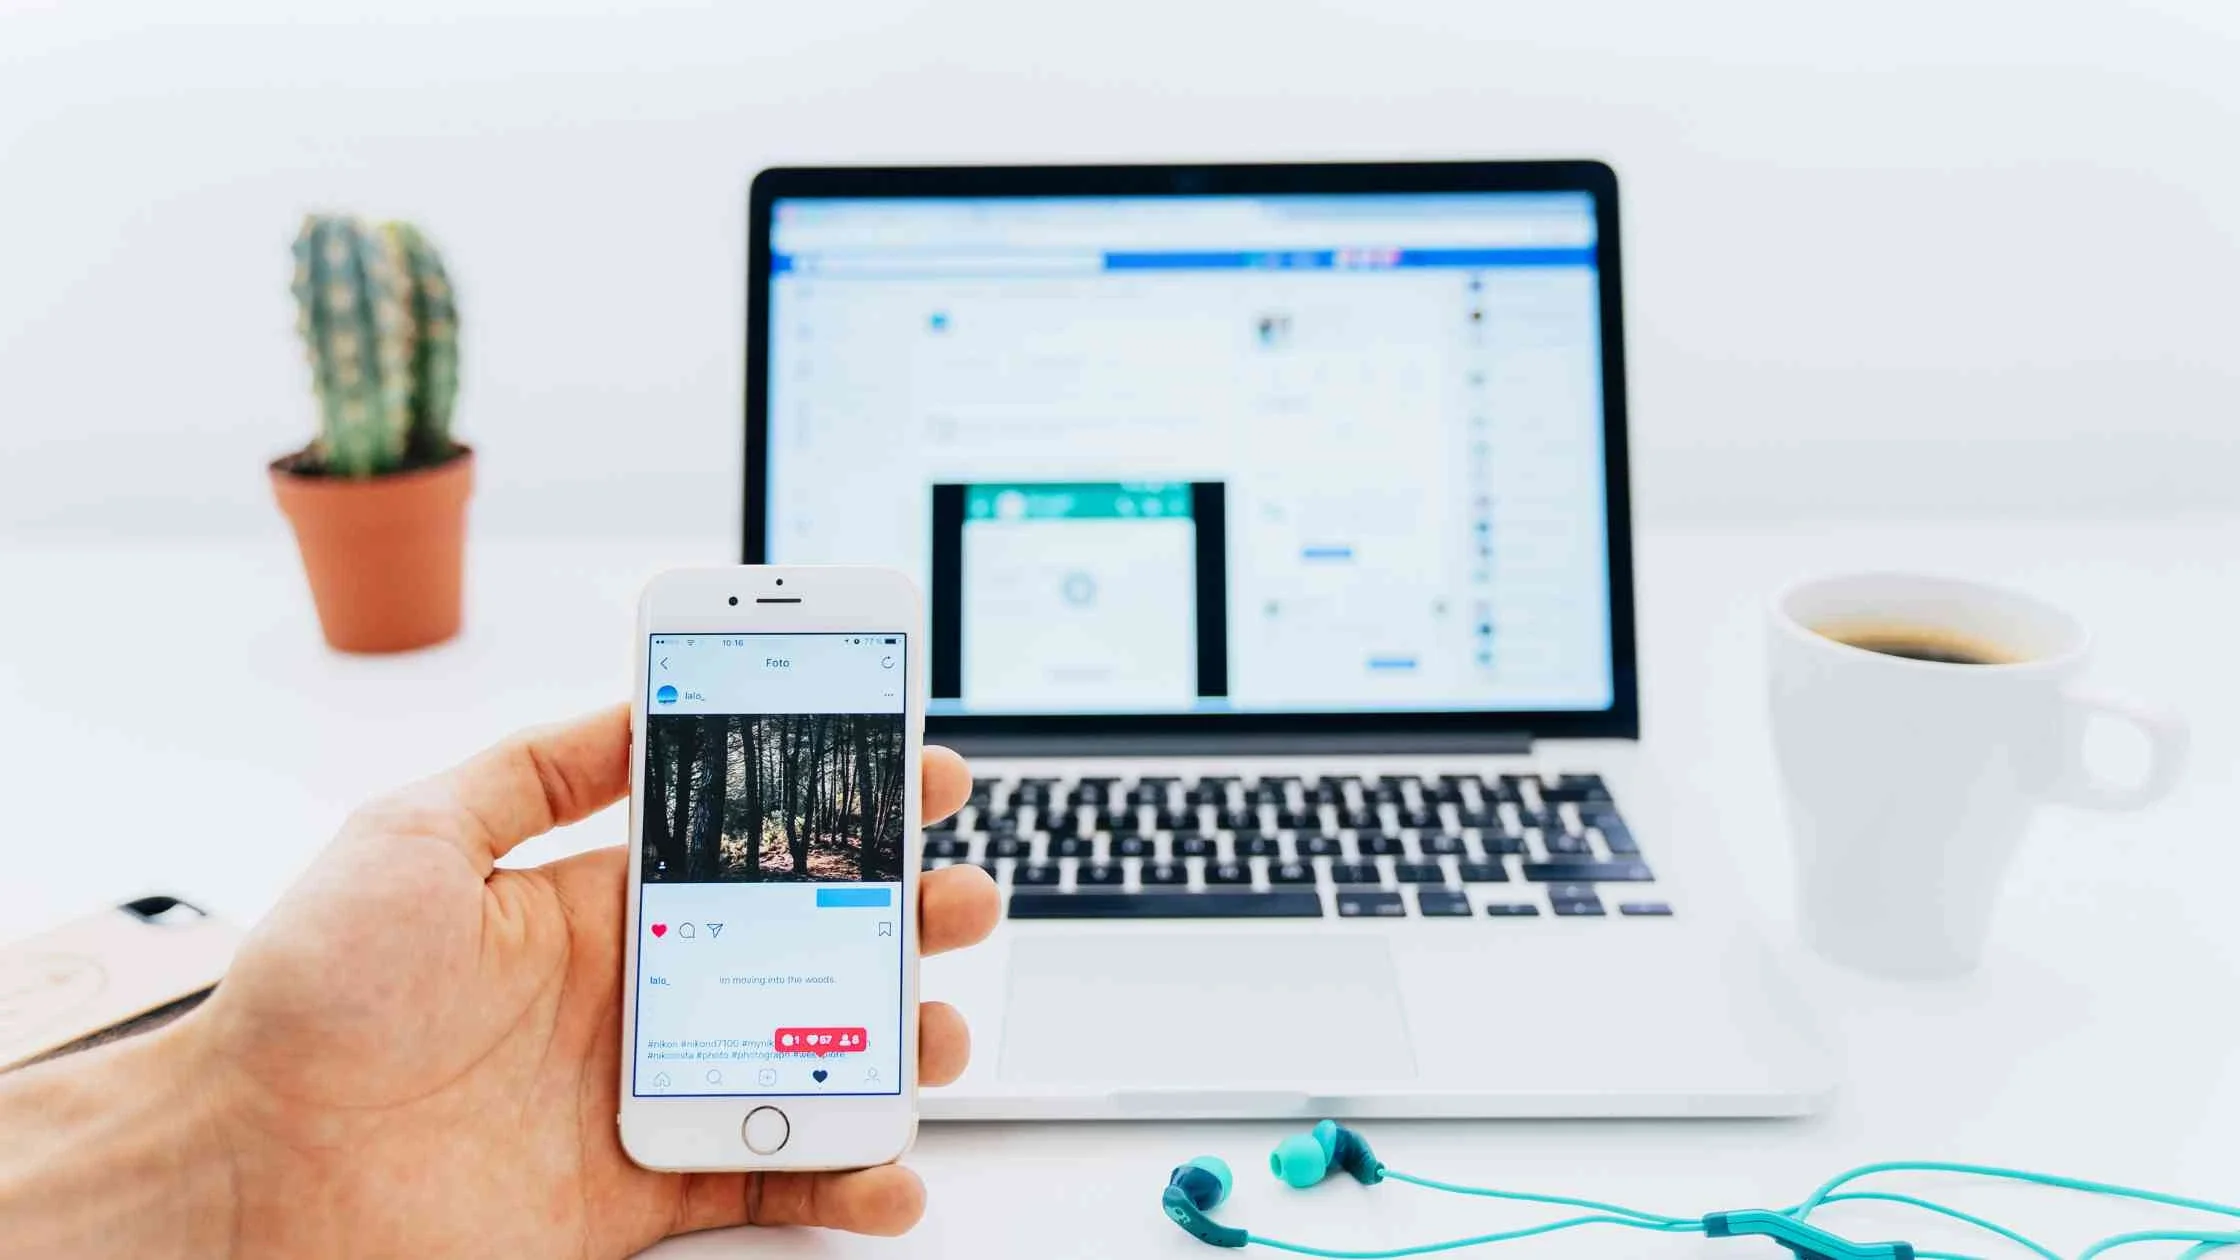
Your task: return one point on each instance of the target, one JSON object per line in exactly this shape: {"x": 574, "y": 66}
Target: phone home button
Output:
{"x": 766, "y": 1130}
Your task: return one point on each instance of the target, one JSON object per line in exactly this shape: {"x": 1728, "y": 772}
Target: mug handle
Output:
{"x": 2167, "y": 740}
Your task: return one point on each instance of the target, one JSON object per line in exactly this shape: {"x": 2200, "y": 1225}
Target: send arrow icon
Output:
{"x": 715, "y": 929}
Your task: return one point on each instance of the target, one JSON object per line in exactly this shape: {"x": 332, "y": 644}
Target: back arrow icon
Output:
{"x": 664, "y": 662}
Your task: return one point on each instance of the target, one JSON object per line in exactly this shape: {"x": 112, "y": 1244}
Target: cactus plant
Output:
{"x": 374, "y": 308}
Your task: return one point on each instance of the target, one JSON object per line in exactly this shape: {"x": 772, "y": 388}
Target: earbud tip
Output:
{"x": 1219, "y": 1167}
{"x": 1299, "y": 1161}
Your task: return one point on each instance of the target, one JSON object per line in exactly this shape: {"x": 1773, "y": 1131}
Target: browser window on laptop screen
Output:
{"x": 1219, "y": 454}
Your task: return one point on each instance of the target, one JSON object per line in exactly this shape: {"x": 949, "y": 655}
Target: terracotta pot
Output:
{"x": 384, "y": 554}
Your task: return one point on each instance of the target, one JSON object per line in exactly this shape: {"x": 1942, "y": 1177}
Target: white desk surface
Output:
{"x": 2102, "y": 1037}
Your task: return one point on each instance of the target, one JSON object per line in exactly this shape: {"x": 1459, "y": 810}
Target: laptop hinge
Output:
{"x": 1239, "y": 744}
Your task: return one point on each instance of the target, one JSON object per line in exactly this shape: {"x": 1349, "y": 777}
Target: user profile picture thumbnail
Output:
{"x": 666, "y": 695}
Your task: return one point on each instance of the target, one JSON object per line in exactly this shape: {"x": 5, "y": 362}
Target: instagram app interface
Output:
{"x": 772, "y": 920}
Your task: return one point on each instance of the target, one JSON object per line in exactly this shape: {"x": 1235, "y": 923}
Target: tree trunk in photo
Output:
{"x": 890, "y": 816}
{"x": 704, "y": 839}
{"x": 662, "y": 853}
{"x": 791, "y": 781}
{"x": 818, "y": 726}
{"x": 868, "y": 840}
{"x": 734, "y": 773}
{"x": 750, "y": 822}
{"x": 679, "y": 805}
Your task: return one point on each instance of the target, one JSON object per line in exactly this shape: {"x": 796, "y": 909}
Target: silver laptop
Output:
{"x": 1273, "y": 525}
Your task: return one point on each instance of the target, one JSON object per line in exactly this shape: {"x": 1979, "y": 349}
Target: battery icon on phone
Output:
{"x": 890, "y": 641}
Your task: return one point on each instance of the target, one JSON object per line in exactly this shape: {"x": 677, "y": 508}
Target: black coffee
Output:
{"x": 1920, "y": 643}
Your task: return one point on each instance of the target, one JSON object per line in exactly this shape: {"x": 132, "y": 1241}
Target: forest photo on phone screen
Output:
{"x": 795, "y": 797}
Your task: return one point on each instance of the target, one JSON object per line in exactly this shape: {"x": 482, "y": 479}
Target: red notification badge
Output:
{"x": 818, "y": 1041}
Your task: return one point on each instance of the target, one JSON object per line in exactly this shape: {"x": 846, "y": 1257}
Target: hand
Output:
{"x": 417, "y": 1055}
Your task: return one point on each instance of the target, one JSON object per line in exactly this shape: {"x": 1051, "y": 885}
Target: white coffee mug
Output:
{"x": 1908, "y": 782}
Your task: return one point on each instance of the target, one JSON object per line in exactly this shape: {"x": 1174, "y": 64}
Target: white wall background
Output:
{"x": 1947, "y": 256}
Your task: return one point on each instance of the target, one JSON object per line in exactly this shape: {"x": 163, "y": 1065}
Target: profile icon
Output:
{"x": 666, "y": 695}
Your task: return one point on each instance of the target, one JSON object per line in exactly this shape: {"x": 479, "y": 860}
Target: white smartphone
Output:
{"x": 770, "y": 962}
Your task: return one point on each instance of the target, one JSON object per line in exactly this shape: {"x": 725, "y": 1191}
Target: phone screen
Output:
{"x": 771, "y": 912}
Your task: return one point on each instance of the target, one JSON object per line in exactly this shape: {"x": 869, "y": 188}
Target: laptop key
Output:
{"x": 1563, "y": 843}
{"x": 1645, "y": 909}
{"x": 1572, "y": 909}
{"x": 1421, "y": 817}
{"x": 1438, "y": 903}
{"x": 1355, "y": 873}
{"x": 1510, "y": 910}
{"x": 1253, "y": 844}
{"x": 945, "y": 847}
{"x": 1319, "y": 846}
{"x": 1574, "y": 787}
{"x": 1035, "y": 873}
{"x": 1098, "y": 873}
{"x": 1377, "y": 844}
{"x": 1617, "y": 839}
{"x": 1288, "y": 904}
{"x": 1228, "y": 873}
{"x": 1290, "y": 872}
{"x": 1588, "y": 872}
{"x": 1497, "y": 844}
{"x": 1007, "y": 847}
{"x": 1071, "y": 846}
{"x": 1441, "y": 846}
{"x": 1193, "y": 846}
{"x": 1546, "y": 820}
{"x": 1131, "y": 846}
{"x": 1378, "y": 905}
{"x": 1165, "y": 873}
{"x": 1483, "y": 872}
{"x": 1419, "y": 873}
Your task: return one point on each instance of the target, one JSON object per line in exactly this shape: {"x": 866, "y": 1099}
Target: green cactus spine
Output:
{"x": 375, "y": 311}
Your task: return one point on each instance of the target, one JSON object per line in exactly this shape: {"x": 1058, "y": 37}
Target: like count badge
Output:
{"x": 818, "y": 1041}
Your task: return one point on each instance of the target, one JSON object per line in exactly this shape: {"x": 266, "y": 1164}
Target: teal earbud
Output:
{"x": 1303, "y": 1159}
{"x": 1195, "y": 1189}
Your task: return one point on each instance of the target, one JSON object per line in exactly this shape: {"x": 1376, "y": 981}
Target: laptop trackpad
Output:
{"x": 1203, "y": 1011}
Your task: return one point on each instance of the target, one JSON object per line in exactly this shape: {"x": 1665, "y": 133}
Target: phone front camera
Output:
{"x": 781, "y": 581}
{"x": 734, "y": 601}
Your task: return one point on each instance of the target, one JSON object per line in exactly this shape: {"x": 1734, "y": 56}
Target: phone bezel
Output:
{"x": 705, "y": 1134}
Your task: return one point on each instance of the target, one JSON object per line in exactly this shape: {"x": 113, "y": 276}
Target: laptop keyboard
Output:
{"x": 1232, "y": 847}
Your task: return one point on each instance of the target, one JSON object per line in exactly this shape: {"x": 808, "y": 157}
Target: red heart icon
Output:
{"x": 660, "y": 929}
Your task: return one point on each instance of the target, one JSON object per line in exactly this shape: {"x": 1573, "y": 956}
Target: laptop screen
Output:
{"x": 1295, "y": 453}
